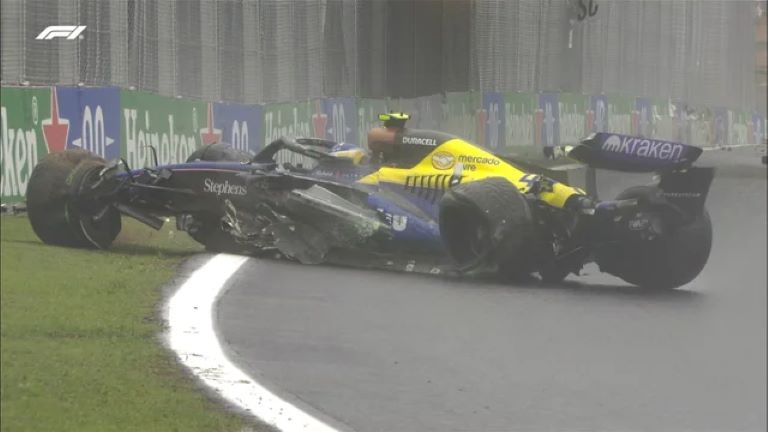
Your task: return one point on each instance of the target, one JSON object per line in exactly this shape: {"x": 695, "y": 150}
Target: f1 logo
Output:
{"x": 60, "y": 31}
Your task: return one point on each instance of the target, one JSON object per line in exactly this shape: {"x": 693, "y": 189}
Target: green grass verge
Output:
{"x": 79, "y": 334}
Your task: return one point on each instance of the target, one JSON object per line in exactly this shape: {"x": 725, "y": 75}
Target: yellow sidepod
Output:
{"x": 467, "y": 163}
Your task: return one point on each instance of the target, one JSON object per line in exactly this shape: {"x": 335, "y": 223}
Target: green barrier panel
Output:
{"x": 287, "y": 119}
{"x": 573, "y": 110}
{"x": 458, "y": 117}
{"x": 665, "y": 125}
{"x": 476, "y": 102}
{"x": 738, "y": 127}
{"x": 174, "y": 127}
{"x": 620, "y": 114}
{"x": 368, "y": 111}
{"x": 28, "y": 128}
{"x": 520, "y": 109}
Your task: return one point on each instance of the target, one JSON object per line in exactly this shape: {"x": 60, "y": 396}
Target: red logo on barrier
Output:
{"x": 635, "y": 126}
{"x": 481, "y": 117}
{"x": 209, "y": 134}
{"x": 319, "y": 120}
{"x": 590, "y": 120}
{"x": 55, "y": 129}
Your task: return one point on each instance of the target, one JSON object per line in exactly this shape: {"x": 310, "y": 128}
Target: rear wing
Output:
{"x": 683, "y": 185}
{"x": 633, "y": 154}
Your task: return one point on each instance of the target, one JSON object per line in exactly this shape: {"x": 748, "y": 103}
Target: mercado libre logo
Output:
{"x": 442, "y": 160}
{"x": 55, "y": 129}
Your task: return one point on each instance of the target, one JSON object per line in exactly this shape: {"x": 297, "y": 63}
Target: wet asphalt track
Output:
{"x": 379, "y": 351}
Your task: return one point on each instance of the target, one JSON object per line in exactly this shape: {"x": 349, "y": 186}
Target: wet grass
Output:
{"x": 79, "y": 334}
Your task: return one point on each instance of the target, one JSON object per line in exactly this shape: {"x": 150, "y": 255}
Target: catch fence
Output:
{"x": 260, "y": 51}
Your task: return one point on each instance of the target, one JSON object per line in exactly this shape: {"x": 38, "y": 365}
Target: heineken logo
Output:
{"x": 295, "y": 127}
{"x": 17, "y": 158}
{"x": 172, "y": 145}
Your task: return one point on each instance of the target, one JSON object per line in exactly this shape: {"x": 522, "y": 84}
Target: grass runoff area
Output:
{"x": 80, "y": 345}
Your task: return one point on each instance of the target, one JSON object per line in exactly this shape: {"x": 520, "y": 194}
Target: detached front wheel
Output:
{"x": 59, "y": 206}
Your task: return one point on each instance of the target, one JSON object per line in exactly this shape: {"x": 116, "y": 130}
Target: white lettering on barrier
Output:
{"x": 275, "y": 129}
{"x": 494, "y": 124}
{"x": 619, "y": 123}
{"x": 571, "y": 124}
{"x": 339, "y": 123}
{"x": 519, "y": 129}
{"x": 171, "y": 147}
{"x": 240, "y": 135}
{"x": 18, "y": 157}
{"x": 93, "y": 135}
{"x": 459, "y": 123}
{"x": 549, "y": 125}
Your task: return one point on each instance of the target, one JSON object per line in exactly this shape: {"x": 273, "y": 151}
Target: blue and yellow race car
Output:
{"x": 415, "y": 200}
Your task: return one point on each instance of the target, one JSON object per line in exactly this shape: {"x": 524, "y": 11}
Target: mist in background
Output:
{"x": 257, "y": 51}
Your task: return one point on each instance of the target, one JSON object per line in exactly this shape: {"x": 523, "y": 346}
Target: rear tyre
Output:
{"x": 49, "y": 197}
{"x": 489, "y": 223}
{"x": 667, "y": 262}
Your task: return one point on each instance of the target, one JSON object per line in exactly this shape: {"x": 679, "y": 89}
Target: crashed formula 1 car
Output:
{"x": 417, "y": 200}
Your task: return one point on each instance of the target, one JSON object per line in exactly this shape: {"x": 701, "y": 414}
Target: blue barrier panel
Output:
{"x": 93, "y": 114}
{"x": 547, "y": 118}
{"x": 239, "y": 125}
{"x": 494, "y": 119}
{"x": 597, "y": 115}
{"x": 336, "y": 119}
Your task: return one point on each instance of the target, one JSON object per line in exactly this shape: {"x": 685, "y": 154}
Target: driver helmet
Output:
{"x": 357, "y": 154}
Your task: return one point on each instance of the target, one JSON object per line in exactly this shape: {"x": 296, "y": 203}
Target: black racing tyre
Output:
{"x": 207, "y": 231}
{"x": 489, "y": 223}
{"x": 667, "y": 262}
{"x": 48, "y": 196}
{"x": 99, "y": 222}
{"x": 219, "y": 153}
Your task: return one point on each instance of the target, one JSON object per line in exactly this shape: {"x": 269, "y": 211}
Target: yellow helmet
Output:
{"x": 394, "y": 119}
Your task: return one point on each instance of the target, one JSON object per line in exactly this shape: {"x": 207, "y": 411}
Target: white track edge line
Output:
{"x": 192, "y": 337}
